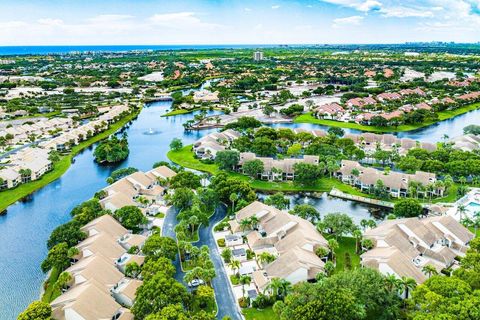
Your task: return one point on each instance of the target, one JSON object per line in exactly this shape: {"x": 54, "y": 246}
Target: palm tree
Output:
{"x": 279, "y": 288}
{"x": 266, "y": 258}
{"x": 429, "y": 270}
{"x": 476, "y": 221}
{"x": 245, "y": 224}
{"x": 245, "y": 280}
{"x": 461, "y": 209}
{"x": 254, "y": 221}
{"x": 333, "y": 245}
{"x": 233, "y": 197}
{"x": 357, "y": 234}
{"x": 392, "y": 283}
{"x": 235, "y": 265}
{"x": 407, "y": 284}
{"x": 364, "y": 224}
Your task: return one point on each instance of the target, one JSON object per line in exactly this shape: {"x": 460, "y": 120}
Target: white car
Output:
{"x": 195, "y": 283}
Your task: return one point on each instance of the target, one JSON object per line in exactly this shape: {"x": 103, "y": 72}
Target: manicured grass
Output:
{"x": 10, "y": 196}
{"x": 50, "y": 292}
{"x": 179, "y": 111}
{"x": 442, "y": 115}
{"x": 260, "y": 314}
{"x": 346, "y": 244}
{"x": 185, "y": 157}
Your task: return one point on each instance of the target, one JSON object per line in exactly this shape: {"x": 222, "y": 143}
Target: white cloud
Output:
{"x": 247, "y": 9}
{"x": 180, "y": 20}
{"x": 359, "y": 5}
{"x": 103, "y": 18}
{"x": 404, "y": 12}
{"x": 353, "y": 20}
{"x": 50, "y": 22}
{"x": 275, "y": 7}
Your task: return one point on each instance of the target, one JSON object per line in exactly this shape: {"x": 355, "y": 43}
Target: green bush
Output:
{"x": 221, "y": 243}
{"x": 244, "y": 302}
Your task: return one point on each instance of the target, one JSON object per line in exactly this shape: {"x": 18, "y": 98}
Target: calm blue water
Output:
{"x": 434, "y": 133}
{"x": 27, "y": 225}
{"x": 26, "y": 50}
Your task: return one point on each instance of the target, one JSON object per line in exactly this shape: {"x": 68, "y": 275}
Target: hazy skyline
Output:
{"x": 108, "y": 22}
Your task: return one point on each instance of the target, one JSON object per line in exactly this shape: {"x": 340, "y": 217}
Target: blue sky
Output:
{"x": 81, "y": 22}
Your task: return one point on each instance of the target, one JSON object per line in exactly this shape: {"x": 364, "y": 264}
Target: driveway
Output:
{"x": 226, "y": 303}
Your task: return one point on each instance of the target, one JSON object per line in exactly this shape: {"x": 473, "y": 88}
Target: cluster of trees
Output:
{"x": 282, "y": 143}
{"x": 358, "y": 294}
{"x": 112, "y": 150}
{"x": 161, "y": 296}
{"x": 120, "y": 173}
{"x": 443, "y": 161}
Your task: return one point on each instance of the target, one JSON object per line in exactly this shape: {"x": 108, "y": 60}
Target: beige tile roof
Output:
{"x": 98, "y": 268}
{"x": 89, "y": 301}
{"x": 163, "y": 171}
{"x": 103, "y": 244}
{"x": 106, "y": 224}
{"x": 293, "y": 260}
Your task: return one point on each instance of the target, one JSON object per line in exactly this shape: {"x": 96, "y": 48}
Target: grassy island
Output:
{"x": 9, "y": 197}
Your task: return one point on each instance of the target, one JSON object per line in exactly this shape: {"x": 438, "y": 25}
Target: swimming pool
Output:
{"x": 473, "y": 207}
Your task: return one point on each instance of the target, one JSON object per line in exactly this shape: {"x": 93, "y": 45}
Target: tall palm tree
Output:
{"x": 429, "y": 270}
{"x": 245, "y": 224}
{"x": 279, "y": 288}
{"x": 265, "y": 258}
{"x": 392, "y": 283}
{"x": 357, "y": 234}
{"x": 407, "y": 284}
{"x": 233, "y": 197}
{"x": 333, "y": 245}
{"x": 245, "y": 280}
{"x": 254, "y": 221}
{"x": 235, "y": 265}
{"x": 461, "y": 209}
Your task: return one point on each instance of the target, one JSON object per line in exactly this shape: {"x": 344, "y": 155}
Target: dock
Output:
{"x": 339, "y": 194}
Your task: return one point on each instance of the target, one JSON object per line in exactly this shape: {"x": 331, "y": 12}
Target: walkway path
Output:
{"x": 226, "y": 303}
{"x": 337, "y": 193}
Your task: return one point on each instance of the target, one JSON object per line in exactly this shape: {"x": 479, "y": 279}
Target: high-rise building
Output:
{"x": 258, "y": 55}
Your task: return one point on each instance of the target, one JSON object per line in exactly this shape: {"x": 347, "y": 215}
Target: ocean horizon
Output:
{"x": 34, "y": 50}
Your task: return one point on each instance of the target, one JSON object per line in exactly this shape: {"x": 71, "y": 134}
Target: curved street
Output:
{"x": 227, "y": 306}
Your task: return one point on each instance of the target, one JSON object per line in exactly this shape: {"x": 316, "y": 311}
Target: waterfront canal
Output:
{"x": 27, "y": 225}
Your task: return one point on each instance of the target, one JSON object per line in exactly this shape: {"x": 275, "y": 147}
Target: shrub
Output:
{"x": 243, "y": 302}
{"x": 221, "y": 243}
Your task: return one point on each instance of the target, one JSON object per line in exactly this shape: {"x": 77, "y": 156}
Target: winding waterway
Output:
{"x": 27, "y": 225}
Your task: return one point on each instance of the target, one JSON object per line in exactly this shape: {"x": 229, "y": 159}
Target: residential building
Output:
{"x": 275, "y": 169}
{"x": 124, "y": 291}
{"x": 396, "y": 183}
{"x": 291, "y": 239}
{"x": 88, "y": 301}
{"x": 402, "y": 247}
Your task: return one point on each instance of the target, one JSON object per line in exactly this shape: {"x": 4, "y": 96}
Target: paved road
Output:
{"x": 223, "y": 292}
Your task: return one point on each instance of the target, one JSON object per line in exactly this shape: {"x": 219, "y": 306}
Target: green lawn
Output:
{"x": 50, "y": 293}
{"x": 179, "y": 111}
{"x": 345, "y": 244}
{"x": 12, "y": 195}
{"x": 260, "y": 314}
{"x": 442, "y": 115}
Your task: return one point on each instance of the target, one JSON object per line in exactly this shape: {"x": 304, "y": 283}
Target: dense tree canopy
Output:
{"x": 112, "y": 150}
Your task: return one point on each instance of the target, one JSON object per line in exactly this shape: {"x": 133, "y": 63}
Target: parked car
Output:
{"x": 195, "y": 283}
